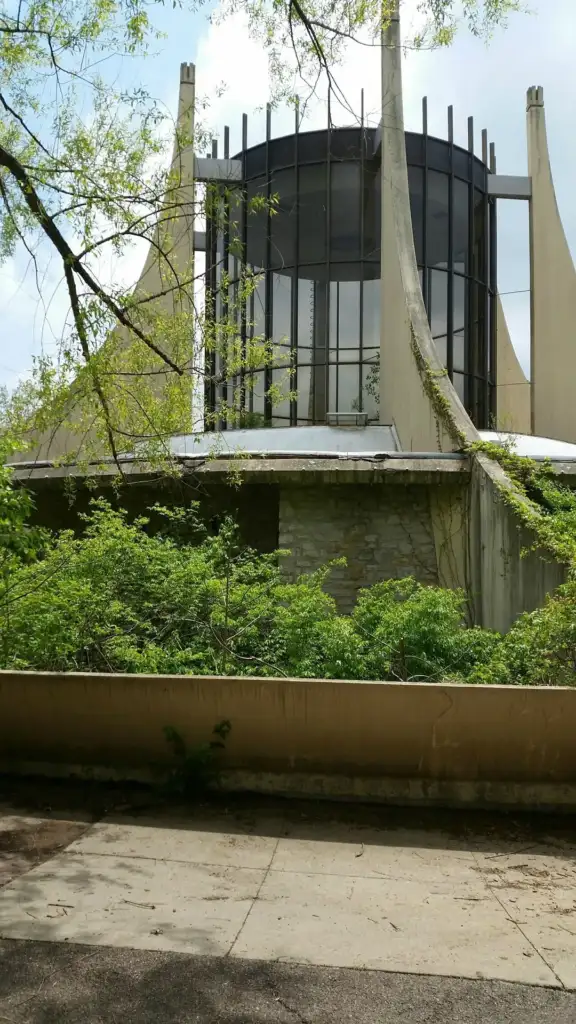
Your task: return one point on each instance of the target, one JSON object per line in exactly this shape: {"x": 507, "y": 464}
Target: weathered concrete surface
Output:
{"x": 437, "y": 742}
{"x": 47, "y": 983}
{"x": 325, "y": 893}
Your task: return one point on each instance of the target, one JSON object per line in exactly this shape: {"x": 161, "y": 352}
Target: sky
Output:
{"x": 488, "y": 81}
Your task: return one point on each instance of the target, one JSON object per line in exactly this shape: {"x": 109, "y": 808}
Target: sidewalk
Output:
{"x": 373, "y": 890}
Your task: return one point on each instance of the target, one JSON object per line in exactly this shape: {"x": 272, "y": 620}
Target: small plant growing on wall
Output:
{"x": 194, "y": 769}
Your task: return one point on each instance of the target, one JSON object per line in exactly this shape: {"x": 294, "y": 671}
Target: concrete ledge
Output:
{"x": 388, "y": 791}
{"x": 289, "y": 469}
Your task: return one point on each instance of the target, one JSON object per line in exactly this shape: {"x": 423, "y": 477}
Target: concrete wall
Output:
{"x": 506, "y": 577}
{"x": 383, "y": 532}
{"x": 413, "y": 733}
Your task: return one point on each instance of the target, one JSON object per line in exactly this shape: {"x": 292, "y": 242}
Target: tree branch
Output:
{"x": 70, "y": 259}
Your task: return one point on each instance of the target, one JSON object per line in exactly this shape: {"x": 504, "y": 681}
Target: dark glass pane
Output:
{"x": 303, "y": 380}
{"x": 256, "y": 223}
{"x": 255, "y": 304}
{"x": 438, "y": 155}
{"x": 345, "y": 211}
{"x": 312, "y": 214}
{"x": 312, "y": 146}
{"x": 460, "y": 225}
{"x": 283, "y": 220}
{"x": 414, "y": 148}
{"x": 345, "y": 144}
{"x": 370, "y": 137}
{"x": 255, "y": 392}
{"x": 442, "y": 349}
{"x": 348, "y": 389}
{"x": 437, "y": 220}
{"x": 480, "y": 172}
{"x": 458, "y": 381}
{"x": 438, "y": 302}
{"x": 459, "y": 313}
{"x": 346, "y": 271}
{"x": 479, "y": 261}
{"x": 281, "y": 152}
{"x": 416, "y": 188}
{"x": 281, "y": 314}
{"x": 279, "y": 397}
{"x": 459, "y": 308}
{"x": 461, "y": 163}
{"x": 305, "y": 313}
{"x": 255, "y": 161}
{"x": 477, "y": 354}
{"x": 345, "y": 321}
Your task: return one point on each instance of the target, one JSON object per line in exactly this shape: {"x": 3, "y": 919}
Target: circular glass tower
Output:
{"x": 313, "y": 240}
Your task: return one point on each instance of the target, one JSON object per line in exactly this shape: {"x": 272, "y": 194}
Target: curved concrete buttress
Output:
{"x": 512, "y": 388}
{"x": 417, "y": 396}
{"x": 163, "y": 272}
{"x": 553, "y": 291}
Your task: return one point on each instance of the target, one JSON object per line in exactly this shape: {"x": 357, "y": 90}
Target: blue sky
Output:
{"x": 488, "y": 82}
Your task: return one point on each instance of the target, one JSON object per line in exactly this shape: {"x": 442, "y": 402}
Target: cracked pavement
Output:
{"x": 257, "y": 910}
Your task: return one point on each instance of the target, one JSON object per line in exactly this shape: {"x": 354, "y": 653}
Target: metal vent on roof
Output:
{"x": 347, "y": 419}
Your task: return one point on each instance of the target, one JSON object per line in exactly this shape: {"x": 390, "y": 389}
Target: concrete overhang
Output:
{"x": 383, "y": 469}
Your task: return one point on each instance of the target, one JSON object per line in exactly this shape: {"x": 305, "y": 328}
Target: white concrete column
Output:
{"x": 553, "y": 292}
{"x": 417, "y": 397}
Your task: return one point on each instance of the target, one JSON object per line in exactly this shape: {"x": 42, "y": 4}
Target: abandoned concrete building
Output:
{"x": 378, "y": 286}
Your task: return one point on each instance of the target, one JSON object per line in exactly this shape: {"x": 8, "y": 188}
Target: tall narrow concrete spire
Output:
{"x": 553, "y": 291}
{"x": 417, "y": 396}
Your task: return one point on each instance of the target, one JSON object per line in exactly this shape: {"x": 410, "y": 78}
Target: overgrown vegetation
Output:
{"x": 122, "y": 598}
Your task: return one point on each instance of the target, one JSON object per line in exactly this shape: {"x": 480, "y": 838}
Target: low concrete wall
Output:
{"x": 391, "y": 741}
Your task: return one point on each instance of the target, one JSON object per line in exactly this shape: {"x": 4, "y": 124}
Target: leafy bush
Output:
{"x": 123, "y": 599}
{"x": 540, "y": 649}
{"x": 415, "y": 632}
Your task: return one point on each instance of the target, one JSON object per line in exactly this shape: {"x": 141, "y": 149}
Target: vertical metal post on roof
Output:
{"x": 450, "y": 282}
{"x": 425, "y": 287}
{"x": 361, "y": 233}
{"x": 212, "y": 367}
{"x": 267, "y": 272}
{"x": 486, "y": 349}
{"x": 323, "y": 393}
{"x": 492, "y": 158}
{"x": 294, "y": 283}
{"x": 493, "y": 285}
{"x": 242, "y": 268}
{"x": 470, "y": 389}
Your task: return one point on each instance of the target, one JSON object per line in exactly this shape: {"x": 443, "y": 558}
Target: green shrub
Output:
{"x": 123, "y": 599}
{"x": 416, "y": 632}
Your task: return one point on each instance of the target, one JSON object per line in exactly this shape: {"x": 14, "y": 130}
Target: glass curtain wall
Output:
{"x": 314, "y": 250}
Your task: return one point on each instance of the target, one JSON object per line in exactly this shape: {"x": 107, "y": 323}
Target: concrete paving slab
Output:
{"x": 138, "y": 903}
{"x": 135, "y": 838}
{"x": 363, "y": 856}
{"x": 386, "y": 925}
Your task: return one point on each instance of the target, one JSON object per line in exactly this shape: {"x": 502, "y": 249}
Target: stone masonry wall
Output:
{"x": 383, "y": 531}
